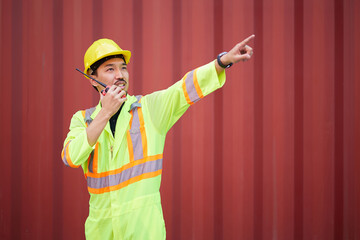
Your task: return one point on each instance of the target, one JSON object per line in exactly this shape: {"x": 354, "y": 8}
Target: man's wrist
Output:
{"x": 223, "y": 61}
{"x": 106, "y": 114}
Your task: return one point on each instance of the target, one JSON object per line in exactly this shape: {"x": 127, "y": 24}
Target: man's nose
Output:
{"x": 118, "y": 74}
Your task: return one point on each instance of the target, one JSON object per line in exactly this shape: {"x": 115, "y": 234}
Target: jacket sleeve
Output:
{"x": 167, "y": 106}
{"x": 76, "y": 148}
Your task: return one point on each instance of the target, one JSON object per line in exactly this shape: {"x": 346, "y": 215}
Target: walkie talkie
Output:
{"x": 104, "y": 91}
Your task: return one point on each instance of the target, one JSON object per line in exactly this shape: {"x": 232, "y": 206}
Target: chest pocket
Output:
{"x": 136, "y": 135}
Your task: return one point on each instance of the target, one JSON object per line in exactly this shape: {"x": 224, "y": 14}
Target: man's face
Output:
{"x": 113, "y": 72}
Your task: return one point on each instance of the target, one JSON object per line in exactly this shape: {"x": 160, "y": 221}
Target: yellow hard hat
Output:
{"x": 103, "y": 48}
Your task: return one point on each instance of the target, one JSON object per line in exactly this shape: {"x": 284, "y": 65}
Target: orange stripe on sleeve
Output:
{"x": 185, "y": 91}
{"x": 68, "y": 159}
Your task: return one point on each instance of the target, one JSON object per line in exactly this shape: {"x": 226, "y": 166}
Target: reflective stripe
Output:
{"x": 143, "y": 133}
{"x": 135, "y": 120}
{"x": 126, "y": 166}
{"x": 191, "y": 88}
{"x": 130, "y": 147}
{"x": 90, "y": 162}
{"x": 125, "y": 177}
{"x": 135, "y": 104}
{"x": 66, "y": 156}
{"x": 96, "y": 153}
{"x": 63, "y": 156}
{"x": 83, "y": 114}
{"x": 93, "y": 159}
{"x": 88, "y": 113}
{"x": 136, "y": 136}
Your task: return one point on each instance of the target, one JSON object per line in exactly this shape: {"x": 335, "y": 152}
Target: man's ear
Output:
{"x": 94, "y": 83}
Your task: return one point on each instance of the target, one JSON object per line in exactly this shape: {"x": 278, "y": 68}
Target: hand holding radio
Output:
{"x": 112, "y": 101}
{"x": 112, "y": 97}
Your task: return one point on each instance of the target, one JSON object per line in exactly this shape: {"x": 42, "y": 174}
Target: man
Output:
{"x": 119, "y": 143}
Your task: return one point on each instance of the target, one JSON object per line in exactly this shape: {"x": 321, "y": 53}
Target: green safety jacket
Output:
{"x": 123, "y": 172}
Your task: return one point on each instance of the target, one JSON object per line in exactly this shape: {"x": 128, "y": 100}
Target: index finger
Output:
{"x": 247, "y": 39}
{"x": 113, "y": 88}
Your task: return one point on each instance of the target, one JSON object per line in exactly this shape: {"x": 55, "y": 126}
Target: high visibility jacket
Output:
{"x": 123, "y": 173}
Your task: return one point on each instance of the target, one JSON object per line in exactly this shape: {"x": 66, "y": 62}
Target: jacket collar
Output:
{"x": 130, "y": 100}
{"x": 122, "y": 121}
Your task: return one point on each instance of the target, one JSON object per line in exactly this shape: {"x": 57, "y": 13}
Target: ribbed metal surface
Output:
{"x": 273, "y": 155}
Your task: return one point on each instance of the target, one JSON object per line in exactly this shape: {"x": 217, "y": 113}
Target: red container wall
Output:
{"x": 275, "y": 154}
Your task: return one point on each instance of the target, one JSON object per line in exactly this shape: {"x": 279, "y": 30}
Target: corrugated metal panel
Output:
{"x": 273, "y": 155}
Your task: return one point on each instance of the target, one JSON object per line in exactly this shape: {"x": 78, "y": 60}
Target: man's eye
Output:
{"x": 124, "y": 67}
{"x": 110, "y": 69}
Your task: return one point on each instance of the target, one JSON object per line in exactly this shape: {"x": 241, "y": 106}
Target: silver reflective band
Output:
{"x": 88, "y": 113}
{"x": 91, "y": 159}
{"x": 136, "y": 104}
{"x": 135, "y": 135}
{"x": 135, "y": 131}
{"x": 125, "y": 175}
{"x": 190, "y": 87}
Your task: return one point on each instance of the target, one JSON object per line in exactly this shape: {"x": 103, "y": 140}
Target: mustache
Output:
{"x": 121, "y": 80}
